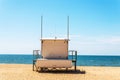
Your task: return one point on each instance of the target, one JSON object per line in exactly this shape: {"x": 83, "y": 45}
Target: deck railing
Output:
{"x": 73, "y": 57}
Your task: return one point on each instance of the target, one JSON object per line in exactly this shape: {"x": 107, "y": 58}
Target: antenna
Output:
{"x": 68, "y": 27}
{"x": 41, "y": 26}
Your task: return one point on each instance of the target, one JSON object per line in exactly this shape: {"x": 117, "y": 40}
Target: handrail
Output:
{"x": 74, "y": 54}
{"x": 36, "y": 55}
{"x": 74, "y": 57}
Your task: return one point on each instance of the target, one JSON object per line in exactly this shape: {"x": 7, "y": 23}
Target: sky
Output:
{"x": 94, "y": 25}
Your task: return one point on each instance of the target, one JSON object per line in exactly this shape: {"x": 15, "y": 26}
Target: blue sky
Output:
{"x": 94, "y": 25}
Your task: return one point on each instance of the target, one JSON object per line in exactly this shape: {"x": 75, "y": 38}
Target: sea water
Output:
{"x": 82, "y": 60}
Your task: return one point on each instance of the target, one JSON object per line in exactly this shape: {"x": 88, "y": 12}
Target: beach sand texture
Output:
{"x": 24, "y": 72}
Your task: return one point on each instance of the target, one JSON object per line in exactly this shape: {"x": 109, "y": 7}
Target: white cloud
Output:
{"x": 96, "y": 45}
{"x": 112, "y": 40}
{"x": 83, "y": 44}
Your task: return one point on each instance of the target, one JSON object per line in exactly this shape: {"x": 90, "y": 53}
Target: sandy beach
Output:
{"x": 24, "y": 72}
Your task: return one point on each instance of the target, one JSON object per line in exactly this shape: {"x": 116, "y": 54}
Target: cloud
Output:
{"x": 84, "y": 44}
{"x": 96, "y": 40}
{"x": 112, "y": 40}
{"x": 95, "y": 45}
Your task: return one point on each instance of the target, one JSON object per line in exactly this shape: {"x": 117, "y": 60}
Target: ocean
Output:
{"x": 82, "y": 60}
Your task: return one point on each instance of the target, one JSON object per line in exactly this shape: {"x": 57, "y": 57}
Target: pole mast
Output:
{"x": 68, "y": 27}
{"x": 41, "y": 26}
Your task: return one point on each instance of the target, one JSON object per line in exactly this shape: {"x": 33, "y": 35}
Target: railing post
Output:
{"x": 76, "y": 55}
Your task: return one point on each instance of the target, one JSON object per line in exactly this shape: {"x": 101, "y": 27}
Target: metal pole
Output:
{"x": 41, "y": 32}
{"x": 41, "y": 26}
{"x": 68, "y": 27}
{"x": 68, "y": 34}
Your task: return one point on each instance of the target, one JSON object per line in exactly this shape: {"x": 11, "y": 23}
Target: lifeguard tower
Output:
{"x": 54, "y": 53}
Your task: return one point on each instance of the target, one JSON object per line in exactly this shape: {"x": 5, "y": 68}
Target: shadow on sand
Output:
{"x": 63, "y": 71}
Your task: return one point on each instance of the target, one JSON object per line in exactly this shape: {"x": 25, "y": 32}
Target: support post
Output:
{"x": 33, "y": 60}
{"x": 33, "y": 65}
{"x": 75, "y": 59}
{"x": 75, "y": 65}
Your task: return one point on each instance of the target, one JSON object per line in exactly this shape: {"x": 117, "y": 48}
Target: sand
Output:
{"x": 24, "y": 72}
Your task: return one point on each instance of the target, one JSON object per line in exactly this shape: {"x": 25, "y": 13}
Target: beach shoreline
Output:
{"x": 24, "y": 72}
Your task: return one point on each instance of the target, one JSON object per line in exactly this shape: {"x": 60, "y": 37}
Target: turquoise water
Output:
{"x": 82, "y": 60}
